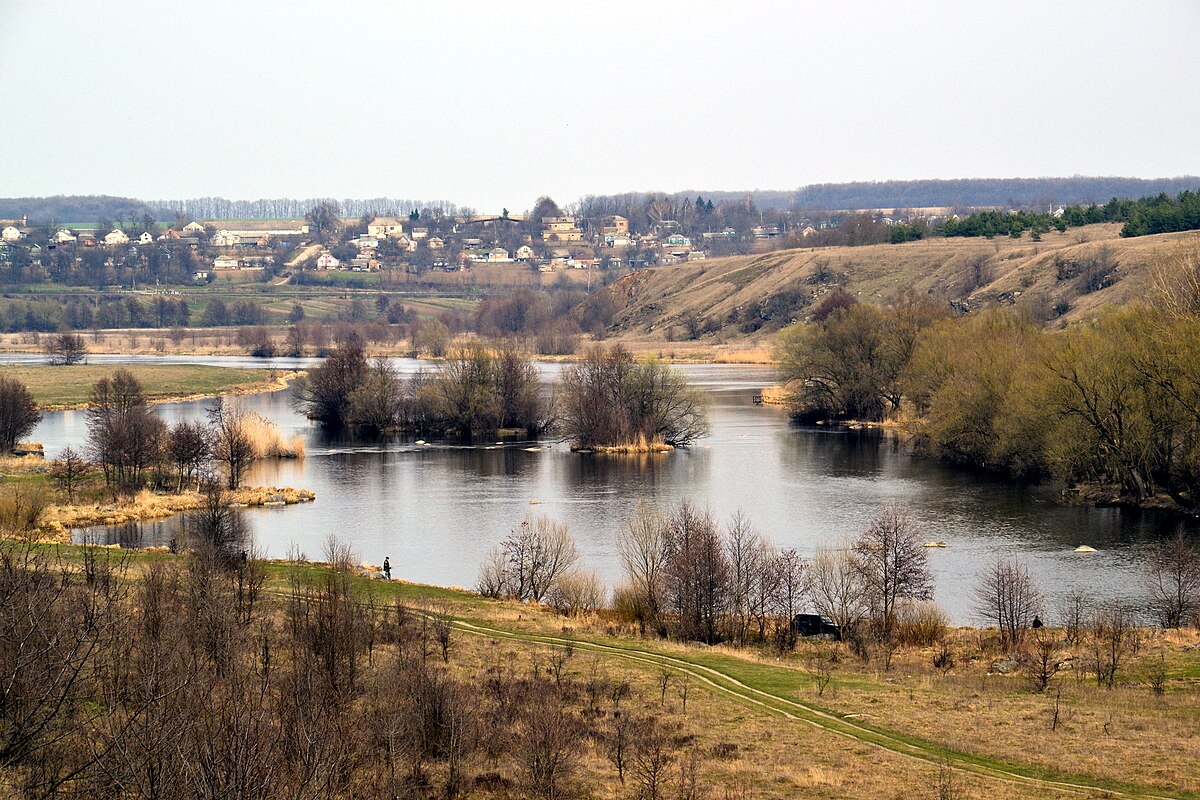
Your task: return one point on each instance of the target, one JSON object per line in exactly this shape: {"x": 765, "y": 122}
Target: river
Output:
{"x": 437, "y": 509}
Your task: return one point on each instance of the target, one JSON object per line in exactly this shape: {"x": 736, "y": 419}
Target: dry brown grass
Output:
{"x": 58, "y": 520}
{"x": 656, "y": 302}
{"x": 638, "y": 445}
{"x": 746, "y": 751}
{"x": 267, "y": 440}
{"x": 1119, "y": 734}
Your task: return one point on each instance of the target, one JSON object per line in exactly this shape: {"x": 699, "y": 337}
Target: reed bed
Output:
{"x": 267, "y": 441}
{"x": 640, "y": 444}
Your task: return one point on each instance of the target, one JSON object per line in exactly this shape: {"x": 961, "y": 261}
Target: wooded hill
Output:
{"x": 968, "y": 192}
{"x": 1065, "y": 277}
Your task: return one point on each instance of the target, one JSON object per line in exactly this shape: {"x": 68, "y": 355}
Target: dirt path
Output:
{"x": 799, "y": 712}
{"x": 307, "y": 252}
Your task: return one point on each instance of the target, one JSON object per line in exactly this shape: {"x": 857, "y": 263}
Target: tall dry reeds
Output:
{"x": 267, "y": 441}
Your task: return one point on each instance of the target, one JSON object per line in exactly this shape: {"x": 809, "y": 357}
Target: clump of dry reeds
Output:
{"x": 639, "y": 444}
{"x": 267, "y": 440}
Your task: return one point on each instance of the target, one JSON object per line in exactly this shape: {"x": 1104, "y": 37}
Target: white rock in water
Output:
{"x": 1083, "y": 548}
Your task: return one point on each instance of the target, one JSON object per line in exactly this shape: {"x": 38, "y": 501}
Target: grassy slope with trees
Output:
{"x": 1065, "y": 277}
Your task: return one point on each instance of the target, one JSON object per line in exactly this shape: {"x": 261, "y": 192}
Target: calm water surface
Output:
{"x": 436, "y": 510}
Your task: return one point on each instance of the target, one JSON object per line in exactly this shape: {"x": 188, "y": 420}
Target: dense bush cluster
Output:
{"x": 610, "y": 399}
{"x": 1114, "y": 403}
{"x": 476, "y": 390}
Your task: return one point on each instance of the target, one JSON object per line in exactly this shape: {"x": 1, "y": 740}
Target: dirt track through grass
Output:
{"x": 796, "y": 711}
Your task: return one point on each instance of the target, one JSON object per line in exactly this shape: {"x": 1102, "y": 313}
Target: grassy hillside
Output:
{"x": 1064, "y": 277}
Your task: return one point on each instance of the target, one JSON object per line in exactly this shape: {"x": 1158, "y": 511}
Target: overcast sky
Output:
{"x": 490, "y": 105}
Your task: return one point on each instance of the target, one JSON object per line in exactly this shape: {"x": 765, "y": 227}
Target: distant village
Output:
{"x": 589, "y": 237}
{"x": 200, "y": 251}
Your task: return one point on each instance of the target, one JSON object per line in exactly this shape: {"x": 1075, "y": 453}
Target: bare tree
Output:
{"x": 642, "y": 545}
{"x": 1006, "y": 596}
{"x": 189, "y": 450}
{"x": 748, "y": 558}
{"x": 68, "y": 470}
{"x": 1173, "y": 580}
{"x": 838, "y": 586}
{"x": 697, "y": 575}
{"x": 894, "y": 564}
{"x": 231, "y": 446}
{"x": 124, "y": 435}
{"x": 19, "y": 415}
{"x": 1040, "y": 659}
{"x": 64, "y": 349}
{"x": 1111, "y": 635}
{"x": 530, "y": 560}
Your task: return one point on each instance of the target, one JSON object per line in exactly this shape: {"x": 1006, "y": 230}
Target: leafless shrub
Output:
{"x": 530, "y": 560}
{"x": 1173, "y": 580}
{"x": 1006, "y": 596}
{"x": 920, "y": 623}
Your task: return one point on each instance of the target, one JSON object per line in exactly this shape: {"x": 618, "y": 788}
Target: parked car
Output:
{"x": 816, "y": 625}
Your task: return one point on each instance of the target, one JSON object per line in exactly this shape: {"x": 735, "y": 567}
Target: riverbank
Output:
{"x": 817, "y": 721}
{"x": 57, "y": 521}
{"x": 223, "y": 342}
{"x": 62, "y": 388}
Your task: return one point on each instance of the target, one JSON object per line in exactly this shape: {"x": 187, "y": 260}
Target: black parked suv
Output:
{"x": 816, "y": 625}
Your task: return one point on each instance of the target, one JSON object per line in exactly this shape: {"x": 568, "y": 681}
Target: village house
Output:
{"x": 614, "y": 226}
{"x": 145, "y": 238}
{"x": 498, "y": 254}
{"x": 224, "y": 239}
{"x": 696, "y": 255}
{"x": 193, "y": 227}
{"x": 328, "y": 261}
{"x": 677, "y": 240}
{"x": 420, "y": 233}
{"x": 169, "y": 235}
{"x": 435, "y": 243}
{"x": 385, "y": 227}
{"x": 525, "y": 253}
{"x": 11, "y": 234}
{"x": 365, "y": 242}
{"x": 116, "y": 237}
{"x": 225, "y": 262}
{"x": 62, "y": 236}
{"x": 618, "y": 240}
{"x": 808, "y": 231}
{"x": 560, "y": 229}
{"x": 765, "y": 231}
{"x": 727, "y": 233}
{"x": 363, "y": 264}
{"x": 201, "y": 276}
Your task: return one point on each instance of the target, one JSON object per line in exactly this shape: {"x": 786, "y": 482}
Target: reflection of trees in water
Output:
{"x": 639, "y": 474}
{"x": 834, "y": 452}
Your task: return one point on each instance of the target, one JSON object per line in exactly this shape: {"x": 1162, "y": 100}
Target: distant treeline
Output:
{"x": 72, "y": 208}
{"x": 831, "y": 196}
{"x": 288, "y": 208}
{"x": 1142, "y": 217}
{"x": 983, "y": 192}
{"x": 90, "y": 208}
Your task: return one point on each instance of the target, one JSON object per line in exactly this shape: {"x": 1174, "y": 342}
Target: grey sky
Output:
{"x": 493, "y": 104}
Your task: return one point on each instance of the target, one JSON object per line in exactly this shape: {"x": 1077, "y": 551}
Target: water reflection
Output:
{"x": 436, "y": 509}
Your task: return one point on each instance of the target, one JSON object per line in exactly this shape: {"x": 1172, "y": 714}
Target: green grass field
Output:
{"x": 56, "y": 387}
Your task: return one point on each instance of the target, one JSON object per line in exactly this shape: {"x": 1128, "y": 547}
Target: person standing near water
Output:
{"x": 387, "y": 569}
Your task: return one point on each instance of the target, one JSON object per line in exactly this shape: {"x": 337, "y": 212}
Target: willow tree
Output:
{"x": 609, "y": 398}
